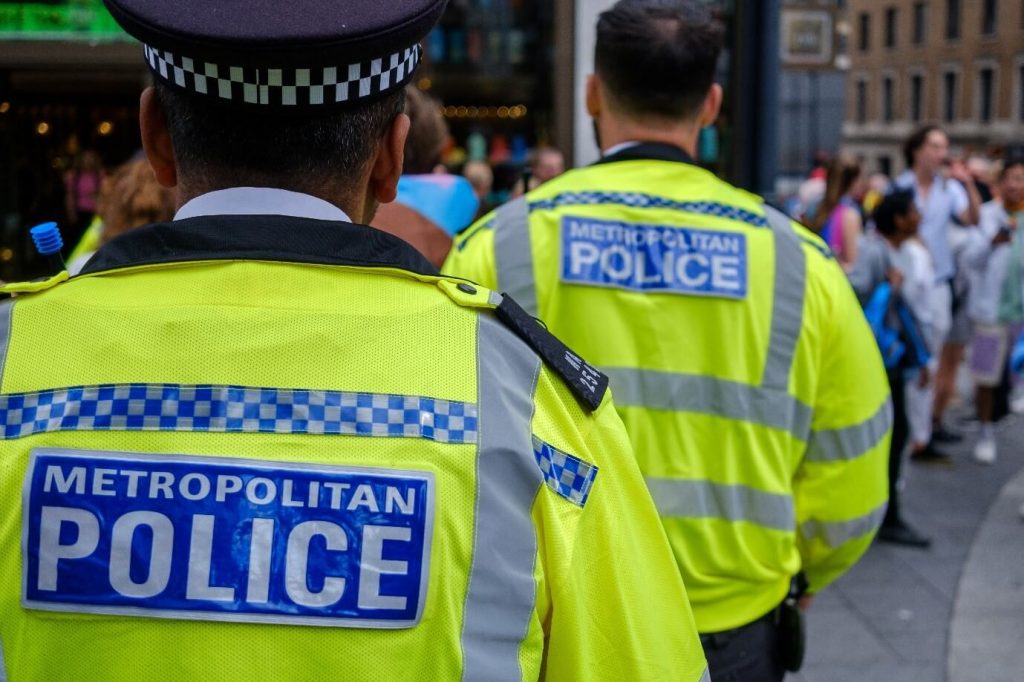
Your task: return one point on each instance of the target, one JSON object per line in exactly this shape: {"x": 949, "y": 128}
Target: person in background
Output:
{"x": 882, "y": 261}
{"x": 981, "y": 169}
{"x": 838, "y": 218}
{"x": 432, "y": 205}
{"x": 995, "y": 255}
{"x": 811, "y": 192}
{"x": 481, "y": 177}
{"x": 945, "y": 194}
{"x": 131, "y": 197}
{"x": 545, "y": 164}
{"x": 82, "y": 185}
{"x": 918, "y": 292}
{"x": 878, "y": 186}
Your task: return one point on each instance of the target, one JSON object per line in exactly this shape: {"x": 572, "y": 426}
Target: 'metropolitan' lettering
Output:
{"x": 197, "y": 487}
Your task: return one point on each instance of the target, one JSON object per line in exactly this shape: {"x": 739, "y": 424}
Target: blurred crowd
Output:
{"x": 936, "y": 257}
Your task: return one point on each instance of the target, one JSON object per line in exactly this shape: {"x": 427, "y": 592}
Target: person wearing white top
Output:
{"x": 995, "y": 258}
{"x": 918, "y": 291}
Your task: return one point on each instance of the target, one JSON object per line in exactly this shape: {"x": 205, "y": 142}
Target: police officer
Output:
{"x": 264, "y": 442}
{"x": 739, "y": 359}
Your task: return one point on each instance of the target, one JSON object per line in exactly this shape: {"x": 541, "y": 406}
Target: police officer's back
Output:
{"x": 738, "y": 356}
{"x": 263, "y": 442}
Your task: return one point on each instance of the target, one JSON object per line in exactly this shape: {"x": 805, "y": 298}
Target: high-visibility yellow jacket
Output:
{"x": 739, "y": 359}
{"x": 268, "y": 448}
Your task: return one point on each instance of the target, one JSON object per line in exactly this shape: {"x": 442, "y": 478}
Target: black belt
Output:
{"x": 720, "y": 640}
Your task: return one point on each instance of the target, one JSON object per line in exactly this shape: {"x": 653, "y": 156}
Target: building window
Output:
{"x": 920, "y": 21}
{"x": 887, "y": 97}
{"x": 865, "y": 32}
{"x": 949, "y": 96}
{"x": 862, "y": 101}
{"x": 952, "y": 19}
{"x": 916, "y": 97}
{"x": 990, "y": 13}
{"x": 986, "y": 83}
{"x": 891, "y": 15}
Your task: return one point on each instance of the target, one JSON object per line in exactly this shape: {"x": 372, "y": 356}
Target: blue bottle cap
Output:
{"x": 47, "y": 239}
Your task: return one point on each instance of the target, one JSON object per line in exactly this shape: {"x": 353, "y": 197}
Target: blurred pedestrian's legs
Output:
{"x": 894, "y": 528}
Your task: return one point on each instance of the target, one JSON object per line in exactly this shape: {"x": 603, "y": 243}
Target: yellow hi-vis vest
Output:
{"x": 263, "y": 448}
{"x": 740, "y": 362}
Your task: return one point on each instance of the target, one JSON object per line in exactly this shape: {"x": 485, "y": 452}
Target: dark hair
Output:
{"x": 898, "y": 203}
{"x": 1012, "y": 157}
{"x": 916, "y": 141}
{"x": 291, "y": 150}
{"x": 843, "y": 172}
{"x": 658, "y": 57}
{"x": 428, "y": 133}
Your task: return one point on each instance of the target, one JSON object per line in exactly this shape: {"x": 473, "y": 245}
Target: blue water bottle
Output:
{"x": 48, "y": 243}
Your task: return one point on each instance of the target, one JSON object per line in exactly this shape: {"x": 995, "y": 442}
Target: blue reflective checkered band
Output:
{"x": 640, "y": 200}
{"x": 236, "y": 409}
{"x": 569, "y": 476}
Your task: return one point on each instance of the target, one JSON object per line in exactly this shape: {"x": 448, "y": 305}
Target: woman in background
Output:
{"x": 838, "y": 219}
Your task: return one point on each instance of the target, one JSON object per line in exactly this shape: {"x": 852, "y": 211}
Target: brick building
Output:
{"x": 958, "y": 63}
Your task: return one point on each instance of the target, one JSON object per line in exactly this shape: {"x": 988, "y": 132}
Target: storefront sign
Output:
{"x": 58, "y": 20}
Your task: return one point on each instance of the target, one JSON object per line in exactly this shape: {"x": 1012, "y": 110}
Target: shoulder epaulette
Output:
{"x": 585, "y": 381}
{"x": 35, "y": 286}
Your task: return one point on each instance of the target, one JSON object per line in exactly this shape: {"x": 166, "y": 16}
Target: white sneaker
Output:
{"x": 1017, "y": 405}
{"x": 985, "y": 451}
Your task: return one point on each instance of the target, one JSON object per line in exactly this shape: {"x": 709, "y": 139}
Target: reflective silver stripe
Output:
{"x": 706, "y": 677}
{"x": 705, "y": 500}
{"x": 6, "y": 308}
{"x": 3, "y": 667}
{"x": 854, "y": 441}
{"x": 836, "y": 533}
{"x": 707, "y": 395}
{"x": 788, "y": 300}
{"x": 513, "y": 254}
{"x": 502, "y": 590}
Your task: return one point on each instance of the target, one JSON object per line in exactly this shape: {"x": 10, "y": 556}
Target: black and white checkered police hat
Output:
{"x": 281, "y": 53}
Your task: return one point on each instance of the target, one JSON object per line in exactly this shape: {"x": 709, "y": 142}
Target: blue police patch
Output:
{"x": 202, "y": 538}
{"x": 654, "y": 258}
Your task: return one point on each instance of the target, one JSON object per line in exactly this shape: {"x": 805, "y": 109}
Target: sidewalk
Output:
{"x": 894, "y": 616}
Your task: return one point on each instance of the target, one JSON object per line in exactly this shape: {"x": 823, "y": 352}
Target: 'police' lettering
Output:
{"x": 193, "y": 537}
{"x": 654, "y": 258}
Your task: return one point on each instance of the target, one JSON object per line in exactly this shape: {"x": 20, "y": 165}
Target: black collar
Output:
{"x": 265, "y": 238}
{"x": 649, "y": 151}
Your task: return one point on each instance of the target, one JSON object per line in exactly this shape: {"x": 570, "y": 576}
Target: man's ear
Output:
{"x": 387, "y": 167}
{"x": 156, "y": 139}
{"x": 594, "y": 100}
{"x": 712, "y": 106}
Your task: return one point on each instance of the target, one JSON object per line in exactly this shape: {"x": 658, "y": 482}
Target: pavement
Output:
{"x": 952, "y": 613}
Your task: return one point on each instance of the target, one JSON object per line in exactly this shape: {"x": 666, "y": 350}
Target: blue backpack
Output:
{"x": 877, "y": 311}
{"x": 895, "y": 353}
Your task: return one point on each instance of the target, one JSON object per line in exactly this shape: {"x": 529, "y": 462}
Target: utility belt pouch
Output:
{"x": 792, "y": 627}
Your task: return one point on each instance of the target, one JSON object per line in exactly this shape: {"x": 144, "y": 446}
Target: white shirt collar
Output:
{"x": 622, "y": 146}
{"x": 260, "y": 201}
